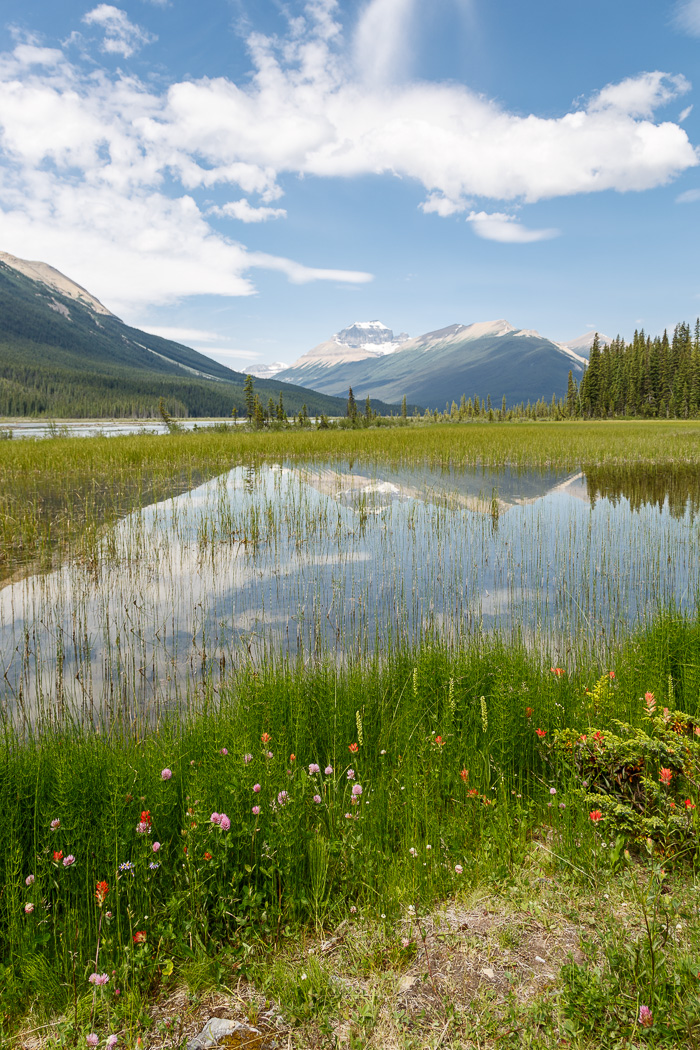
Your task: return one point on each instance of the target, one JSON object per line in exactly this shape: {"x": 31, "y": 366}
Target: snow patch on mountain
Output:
{"x": 265, "y": 371}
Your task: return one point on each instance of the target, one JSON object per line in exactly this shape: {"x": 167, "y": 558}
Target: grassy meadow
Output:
{"x": 466, "y": 842}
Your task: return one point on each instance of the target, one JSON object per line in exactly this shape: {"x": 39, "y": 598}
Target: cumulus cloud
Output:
{"x": 687, "y": 16}
{"x": 122, "y": 37}
{"x": 498, "y": 226}
{"x": 110, "y": 178}
{"x": 245, "y": 212}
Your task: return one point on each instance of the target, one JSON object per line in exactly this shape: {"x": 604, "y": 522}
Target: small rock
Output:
{"x": 488, "y": 972}
{"x": 406, "y": 982}
{"x": 218, "y": 1028}
{"x": 539, "y": 959}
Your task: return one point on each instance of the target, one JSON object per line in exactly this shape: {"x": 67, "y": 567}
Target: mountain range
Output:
{"x": 490, "y": 357}
{"x": 63, "y": 353}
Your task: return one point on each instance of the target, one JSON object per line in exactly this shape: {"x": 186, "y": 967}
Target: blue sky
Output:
{"x": 250, "y": 176}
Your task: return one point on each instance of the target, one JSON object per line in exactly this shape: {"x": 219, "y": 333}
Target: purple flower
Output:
{"x": 224, "y": 823}
{"x": 256, "y": 788}
{"x": 67, "y": 861}
{"x": 269, "y": 754}
{"x": 357, "y": 789}
{"x": 256, "y": 810}
{"x": 29, "y": 881}
{"x": 215, "y": 818}
{"x": 351, "y": 774}
{"x": 458, "y": 869}
{"x": 317, "y": 799}
{"x": 92, "y": 1039}
{"x": 282, "y": 798}
{"x": 328, "y": 770}
{"x": 166, "y": 774}
{"x": 143, "y": 828}
{"x": 55, "y": 825}
{"x": 247, "y": 758}
{"x": 112, "y": 1041}
{"x": 313, "y": 768}
{"x": 552, "y": 791}
{"x": 223, "y": 751}
{"x": 646, "y": 1018}
{"x": 98, "y": 978}
{"x": 155, "y": 847}
{"x": 154, "y": 865}
{"x": 28, "y": 909}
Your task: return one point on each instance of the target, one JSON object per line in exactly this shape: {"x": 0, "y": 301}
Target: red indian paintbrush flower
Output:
{"x": 101, "y": 892}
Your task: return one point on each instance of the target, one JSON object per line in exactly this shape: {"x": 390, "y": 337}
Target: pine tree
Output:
{"x": 249, "y": 394}
{"x": 352, "y": 405}
{"x": 404, "y": 407}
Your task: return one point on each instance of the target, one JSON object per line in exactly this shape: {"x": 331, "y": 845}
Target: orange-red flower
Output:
{"x": 354, "y": 748}
{"x": 207, "y": 855}
{"x": 439, "y": 741}
{"x": 541, "y": 733}
{"x": 472, "y": 792}
{"x": 464, "y": 773}
{"x": 139, "y": 937}
{"x": 595, "y": 815}
{"x": 265, "y": 738}
{"x": 292, "y": 758}
{"x": 101, "y": 892}
{"x": 57, "y": 855}
{"x": 528, "y": 712}
{"x": 665, "y": 776}
{"x": 611, "y": 674}
{"x": 688, "y": 804}
{"x": 558, "y": 671}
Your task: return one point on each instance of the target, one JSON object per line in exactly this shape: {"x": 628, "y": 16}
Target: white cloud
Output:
{"x": 689, "y": 197}
{"x": 104, "y": 176}
{"x": 122, "y": 37}
{"x": 684, "y": 114}
{"x": 688, "y": 16}
{"x": 382, "y": 39}
{"x": 498, "y": 226}
{"x": 245, "y": 212}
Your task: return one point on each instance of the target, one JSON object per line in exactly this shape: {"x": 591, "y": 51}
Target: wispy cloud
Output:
{"x": 687, "y": 16}
{"x": 689, "y": 197}
{"x": 245, "y": 212}
{"x": 121, "y": 37}
{"x": 498, "y": 226}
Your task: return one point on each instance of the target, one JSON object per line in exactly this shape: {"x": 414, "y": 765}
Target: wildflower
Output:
{"x": 112, "y": 1041}
{"x": 155, "y": 847}
{"x": 154, "y": 865}
{"x": 348, "y": 816}
{"x": 353, "y": 748}
{"x": 351, "y": 774}
{"x": 29, "y": 881}
{"x": 223, "y": 751}
{"x": 562, "y": 805}
{"x": 528, "y": 712}
{"x": 611, "y": 674}
{"x": 317, "y": 799}
{"x": 256, "y": 788}
{"x": 282, "y": 798}
{"x": 472, "y": 792}
{"x": 139, "y": 937}
{"x": 464, "y": 774}
{"x": 269, "y": 754}
{"x": 247, "y": 758}
{"x": 68, "y": 861}
{"x": 256, "y": 810}
{"x": 541, "y": 733}
{"x": 353, "y": 909}
{"x": 650, "y": 701}
{"x": 98, "y": 978}
{"x": 665, "y": 776}
{"x": 328, "y": 771}
{"x": 126, "y": 867}
{"x": 646, "y": 1018}
{"x": 292, "y": 758}
{"x": 142, "y": 828}
{"x": 55, "y": 825}
{"x": 57, "y": 855}
{"x": 215, "y": 818}
{"x": 405, "y": 942}
{"x": 595, "y": 815}
{"x": 92, "y": 1039}
{"x": 666, "y": 716}
{"x": 598, "y": 737}
{"x": 28, "y": 909}
{"x": 413, "y": 851}
{"x": 688, "y": 804}
{"x": 224, "y": 823}
{"x": 166, "y": 774}
{"x": 357, "y": 789}
{"x": 458, "y": 869}
{"x": 101, "y": 892}
{"x": 265, "y": 738}
{"x": 382, "y": 752}
{"x": 428, "y": 846}
{"x": 207, "y": 855}
{"x": 439, "y": 741}
{"x": 557, "y": 671}
{"x": 552, "y": 791}
{"x": 484, "y": 714}
{"x": 313, "y": 768}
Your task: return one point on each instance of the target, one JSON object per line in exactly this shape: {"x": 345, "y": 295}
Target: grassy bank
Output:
{"x": 294, "y": 803}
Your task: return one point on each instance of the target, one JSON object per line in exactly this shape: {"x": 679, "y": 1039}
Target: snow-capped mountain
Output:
{"x": 583, "y": 343}
{"x": 485, "y": 357}
{"x": 265, "y": 371}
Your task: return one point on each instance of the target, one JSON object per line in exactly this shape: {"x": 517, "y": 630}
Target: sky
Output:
{"x": 250, "y": 176}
